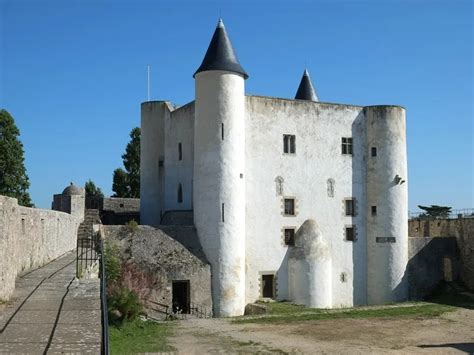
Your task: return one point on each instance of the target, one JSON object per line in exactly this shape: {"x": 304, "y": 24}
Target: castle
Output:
{"x": 293, "y": 199}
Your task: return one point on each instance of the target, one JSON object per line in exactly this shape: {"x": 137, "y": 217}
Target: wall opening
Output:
{"x": 180, "y": 151}
{"x": 268, "y": 286}
{"x": 181, "y": 296}
{"x": 180, "y": 194}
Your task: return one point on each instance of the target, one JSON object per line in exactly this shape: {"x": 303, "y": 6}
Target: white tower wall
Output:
{"x": 219, "y": 185}
{"x": 387, "y": 231}
{"x": 152, "y": 143}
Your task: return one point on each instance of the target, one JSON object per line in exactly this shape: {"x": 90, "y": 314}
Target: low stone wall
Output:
{"x": 431, "y": 260}
{"x": 30, "y": 238}
{"x": 460, "y": 228}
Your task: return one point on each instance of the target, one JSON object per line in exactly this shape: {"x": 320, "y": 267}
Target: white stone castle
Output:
{"x": 293, "y": 199}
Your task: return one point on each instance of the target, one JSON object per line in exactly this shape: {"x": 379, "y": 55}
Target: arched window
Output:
{"x": 331, "y": 184}
{"x": 279, "y": 185}
{"x": 180, "y": 194}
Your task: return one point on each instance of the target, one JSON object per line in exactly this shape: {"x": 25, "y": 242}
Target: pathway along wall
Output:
{"x": 30, "y": 238}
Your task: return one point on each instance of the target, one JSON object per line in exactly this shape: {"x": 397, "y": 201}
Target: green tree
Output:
{"x": 435, "y": 211}
{"x": 92, "y": 190}
{"x": 14, "y": 181}
{"x": 126, "y": 183}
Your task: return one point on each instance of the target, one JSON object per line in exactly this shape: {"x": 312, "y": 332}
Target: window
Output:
{"x": 347, "y": 145}
{"x": 121, "y": 205}
{"x": 374, "y": 151}
{"x": 222, "y": 213}
{"x": 289, "y": 207}
{"x": 350, "y": 233}
{"x": 180, "y": 151}
{"x": 180, "y": 194}
{"x": 350, "y": 207}
{"x": 289, "y": 145}
{"x": 222, "y": 131}
{"x": 374, "y": 210}
{"x": 290, "y": 236}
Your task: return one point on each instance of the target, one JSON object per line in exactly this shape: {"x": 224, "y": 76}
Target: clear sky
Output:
{"x": 73, "y": 75}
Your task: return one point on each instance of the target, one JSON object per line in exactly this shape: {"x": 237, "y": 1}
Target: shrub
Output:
{"x": 123, "y": 304}
{"x": 113, "y": 264}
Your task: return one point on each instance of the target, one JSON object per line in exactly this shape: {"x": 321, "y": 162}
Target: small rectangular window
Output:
{"x": 180, "y": 152}
{"x": 374, "y": 151}
{"x": 222, "y": 131}
{"x": 350, "y": 210}
{"x": 347, "y": 145}
{"x": 374, "y": 210}
{"x": 289, "y": 144}
{"x": 289, "y": 206}
{"x": 268, "y": 286}
{"x": 350, "y": 233}
{"x": 290, "y": 236}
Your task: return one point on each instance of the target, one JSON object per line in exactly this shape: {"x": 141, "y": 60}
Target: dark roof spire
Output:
{"x": 306, "y": 90}
{"x": 221, "y": 55}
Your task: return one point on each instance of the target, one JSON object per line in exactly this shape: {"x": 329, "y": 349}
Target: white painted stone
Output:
{"x": 310, "y": 268}
{"x": 218, "y": 164}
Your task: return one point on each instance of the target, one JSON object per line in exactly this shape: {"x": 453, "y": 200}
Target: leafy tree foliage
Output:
{"x": 92, "y": 190}
{"x": 126, "y": 183}
{"x": 14, "y": 181}
{"x": 435, "y": 211}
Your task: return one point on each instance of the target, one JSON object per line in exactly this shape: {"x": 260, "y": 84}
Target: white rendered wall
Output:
{"x": 179, "y": 128}
{"x": 387, "y": 261}
{"x": 152, "y": 141}
{"x": 217, "y": 167}
{"x": 318, "y": 128}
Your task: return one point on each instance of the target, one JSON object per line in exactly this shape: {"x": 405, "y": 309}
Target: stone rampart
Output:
{"x": 30, "y": 238}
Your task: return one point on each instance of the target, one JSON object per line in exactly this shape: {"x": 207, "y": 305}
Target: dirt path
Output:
{"x": 452, "y": 333}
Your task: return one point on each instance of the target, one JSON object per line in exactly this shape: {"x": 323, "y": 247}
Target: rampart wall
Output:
{"x": 30, "y": 238}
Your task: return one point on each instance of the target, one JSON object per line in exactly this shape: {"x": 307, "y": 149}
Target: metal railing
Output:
{"x": 87, "y": 253}
{"x": 458, "y": 213}
{"x": 103, "y": 301}
{"x": 200, "y": 311}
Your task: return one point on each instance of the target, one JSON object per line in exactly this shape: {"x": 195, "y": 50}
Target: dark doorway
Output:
{"x": 268, "y": 286}
{"x": 181, "y": 296}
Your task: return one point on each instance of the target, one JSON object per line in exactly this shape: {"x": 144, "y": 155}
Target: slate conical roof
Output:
{"x": 221, "y": 55}
{"x": 306, "y": 90}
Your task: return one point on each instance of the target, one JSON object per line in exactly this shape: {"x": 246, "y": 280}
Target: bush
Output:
{"x": 123, "y": 304}
{"x": 113, "y": 264}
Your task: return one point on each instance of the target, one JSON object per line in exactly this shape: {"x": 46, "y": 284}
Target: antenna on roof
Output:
{"x": 148, "y": 81}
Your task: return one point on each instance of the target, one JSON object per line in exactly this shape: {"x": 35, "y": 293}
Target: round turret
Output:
{"x": 310, "y": 268}
{"x": 387, "y": 204}
{"x": 219, "y": 163}
{"x": 73, "y": 190}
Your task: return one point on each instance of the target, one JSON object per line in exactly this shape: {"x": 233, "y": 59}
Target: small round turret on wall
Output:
{"x": 387, "y": 203}
{"x": 310, "y": 268}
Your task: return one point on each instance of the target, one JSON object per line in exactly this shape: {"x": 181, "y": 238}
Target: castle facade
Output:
{"x": 293, "y": 199}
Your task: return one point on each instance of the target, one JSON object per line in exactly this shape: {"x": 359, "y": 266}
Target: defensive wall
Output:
{"x": 30, "y": 238}
{"x": 428, "y": 232}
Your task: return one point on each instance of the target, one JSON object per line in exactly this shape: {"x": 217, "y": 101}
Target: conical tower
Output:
{"x": 219, "y": 164}
{"x": 306, "y": 90}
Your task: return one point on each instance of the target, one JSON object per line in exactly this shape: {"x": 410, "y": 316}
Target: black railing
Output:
{"x": 103, "y": 301}
{"x": 87, "y": 254}
{"x": 200, "y": 311}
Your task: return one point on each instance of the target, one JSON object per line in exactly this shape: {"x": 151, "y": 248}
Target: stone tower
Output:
{"x": 387, "y": 204}
{"x": 219, "y": 162}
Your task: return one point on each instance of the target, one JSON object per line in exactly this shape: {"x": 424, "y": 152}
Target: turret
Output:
{"x": 152, "y": 151}
{"x": 219, "y": 166}
{"x": 387, "y": 204}
{"x": 306, "y": 90}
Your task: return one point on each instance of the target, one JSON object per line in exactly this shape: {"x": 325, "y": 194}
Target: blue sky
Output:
{"x": 73, "y": 75}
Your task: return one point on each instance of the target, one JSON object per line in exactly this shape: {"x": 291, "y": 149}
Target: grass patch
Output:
{"x": 139, "y": 336}
{"x": 283, "y": 312}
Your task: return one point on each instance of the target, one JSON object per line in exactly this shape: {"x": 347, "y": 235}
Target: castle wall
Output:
{"x": 179, "y": 128}
{"x": 30, "y": 238}
{"x": 152, "y": 142}
{"x": 387, "y": 232}
{"x": 319, "y": 128}
{"x": 219, "y": 184}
